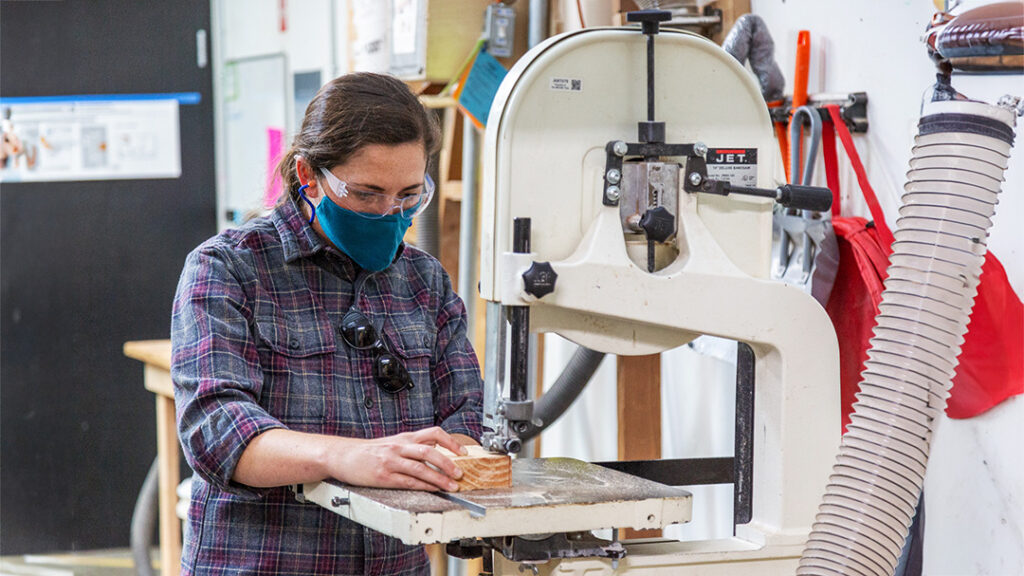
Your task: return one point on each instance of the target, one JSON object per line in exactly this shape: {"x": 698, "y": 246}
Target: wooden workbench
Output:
{"x": 156, "y": 354}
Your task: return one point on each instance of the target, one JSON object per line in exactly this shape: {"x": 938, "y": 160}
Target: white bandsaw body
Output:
{"x": 545, "y": 160}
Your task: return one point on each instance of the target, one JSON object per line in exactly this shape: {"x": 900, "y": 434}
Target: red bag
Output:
{"x": 991, "y": 365}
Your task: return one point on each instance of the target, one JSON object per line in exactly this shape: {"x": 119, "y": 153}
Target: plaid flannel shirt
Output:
{"x": 256, "y": 347}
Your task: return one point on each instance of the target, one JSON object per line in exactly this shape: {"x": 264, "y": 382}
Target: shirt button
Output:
{"x": 426, "y": 341}
{"x": 293, "y": 343}
{"x": 368, "y": 402}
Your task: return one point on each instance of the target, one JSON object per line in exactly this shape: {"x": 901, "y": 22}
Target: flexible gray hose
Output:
{"x": 578, "y": 372}
{"x": 750, "y": 39}
{"x": 959, "y": 157}
{"x": 812, "y": 147}
{"x": 144, "y": 522}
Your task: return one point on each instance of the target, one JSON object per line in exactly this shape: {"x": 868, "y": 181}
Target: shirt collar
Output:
{"x": 298, "y": 238}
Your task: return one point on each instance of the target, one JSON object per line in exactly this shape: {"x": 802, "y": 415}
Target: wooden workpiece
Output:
{"x": 481, "y": 469}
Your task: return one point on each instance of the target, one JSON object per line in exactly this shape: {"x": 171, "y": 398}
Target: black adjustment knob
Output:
{"x": 659, "y": 224}
{"x": 649, "y": 19}
{"x": 540, "y": 279}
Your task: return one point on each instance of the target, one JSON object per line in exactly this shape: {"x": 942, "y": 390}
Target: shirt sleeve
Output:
{"x": 458, "y": 388}
{"x": 216, "y": 371}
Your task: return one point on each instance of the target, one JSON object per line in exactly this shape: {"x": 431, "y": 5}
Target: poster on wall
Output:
{"x": 93, "y": 137}
{"x": 368, "y": 38}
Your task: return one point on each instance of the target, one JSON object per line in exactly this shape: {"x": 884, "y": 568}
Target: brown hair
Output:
{"x": 353, "y": 111}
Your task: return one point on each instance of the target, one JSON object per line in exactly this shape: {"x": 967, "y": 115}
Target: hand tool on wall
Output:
{"x": 803, "y": 64}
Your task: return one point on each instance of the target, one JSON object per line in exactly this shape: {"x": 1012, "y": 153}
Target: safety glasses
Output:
{"x": 408, "y": 204}
{"x": 388, "y": 371}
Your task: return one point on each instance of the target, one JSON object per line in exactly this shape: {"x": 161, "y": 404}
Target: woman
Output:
{"x": 312, "y": 344}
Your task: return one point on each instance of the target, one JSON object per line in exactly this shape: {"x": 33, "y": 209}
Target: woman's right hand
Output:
{"x": 406, "y": 460}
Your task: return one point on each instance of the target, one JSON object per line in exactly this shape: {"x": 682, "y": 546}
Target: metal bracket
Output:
{"x": 853, "y": 108}
{"x": 562, "y": 545}
{"x": 789, "y": 195}
{"x": 466, "y": 548}
{"x": 518, "y": 411}
{"x": 855, "y": 112}
{"x": 617, "y": 150}
{"x": 696, "y": 174}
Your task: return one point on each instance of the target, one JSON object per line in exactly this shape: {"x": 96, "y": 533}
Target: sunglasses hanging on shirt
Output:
{"x": 388, "y": 370}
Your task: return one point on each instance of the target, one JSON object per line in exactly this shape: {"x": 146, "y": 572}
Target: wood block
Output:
{"x": 481, "y": 469}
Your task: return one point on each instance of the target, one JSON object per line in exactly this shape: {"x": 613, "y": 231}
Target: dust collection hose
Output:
{"x": 144, "y": 522}
{"x": 577, "y": 373}
{"x": 750, "y": 39}
{"x": 959, "y": 157}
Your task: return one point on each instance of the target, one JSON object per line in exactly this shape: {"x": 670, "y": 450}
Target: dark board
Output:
{"x": 85, "y": 266}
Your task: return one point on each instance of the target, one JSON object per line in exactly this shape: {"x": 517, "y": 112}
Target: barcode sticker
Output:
{"x": 567, "y": 84}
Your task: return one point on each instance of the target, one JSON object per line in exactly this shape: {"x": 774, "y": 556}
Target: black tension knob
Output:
{"x": 659, "y": 224}
{"x": 540, "y": 279}
{"x": 649, "y": 19}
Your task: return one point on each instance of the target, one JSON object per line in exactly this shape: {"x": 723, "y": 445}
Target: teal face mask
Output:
{"x": 370, "y": 240}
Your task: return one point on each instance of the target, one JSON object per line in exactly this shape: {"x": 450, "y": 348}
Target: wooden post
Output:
{"x": 731, "y": 11}
{"x": 438, "y": 560}
{"x": 639, "y": 408}
{"x": 474, "y": 566}
{"x": 451, "y": 218}
{"x": 157, "y": 379}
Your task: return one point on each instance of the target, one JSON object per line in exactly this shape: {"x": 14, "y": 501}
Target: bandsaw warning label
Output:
{"x": 737, "y": 166}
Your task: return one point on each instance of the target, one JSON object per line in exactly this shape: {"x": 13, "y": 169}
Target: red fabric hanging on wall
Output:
{"x": 991, "y": 365}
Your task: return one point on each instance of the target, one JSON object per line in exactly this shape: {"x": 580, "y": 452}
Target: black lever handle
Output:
{"x": 813, "y": 198}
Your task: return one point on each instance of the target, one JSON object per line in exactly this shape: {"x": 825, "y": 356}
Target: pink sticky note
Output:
{"x": 275, "y": 149}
